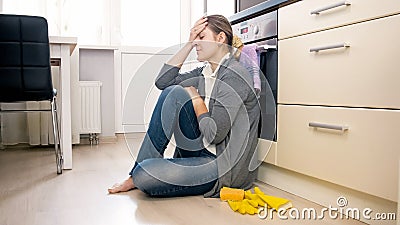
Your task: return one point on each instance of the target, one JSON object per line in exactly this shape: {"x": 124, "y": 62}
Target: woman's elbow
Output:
{"x": 219, "y": 137}
{"x": 159, "y": 85}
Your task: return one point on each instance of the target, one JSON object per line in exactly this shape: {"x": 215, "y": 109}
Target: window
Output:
{"x": 87, "y": 20}
{"x": 150, "y": 23}
{"x": 120, "y": 22}
{"x": 223, "y": 7}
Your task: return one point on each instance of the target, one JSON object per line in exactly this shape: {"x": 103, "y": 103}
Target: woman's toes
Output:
{"x": 122, "y": 187}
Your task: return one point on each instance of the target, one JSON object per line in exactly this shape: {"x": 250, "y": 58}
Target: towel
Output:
{"x": 249, "y": 60}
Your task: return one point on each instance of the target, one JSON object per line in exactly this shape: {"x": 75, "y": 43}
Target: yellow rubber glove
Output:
{"x": 245, "y": 202}
{"x": 254, "y": 197}
{"x": 275, "y": 202}
{"x": 234, "y": 205}
{"x": 236, "y": 201}
{"x": 244, "y": 206}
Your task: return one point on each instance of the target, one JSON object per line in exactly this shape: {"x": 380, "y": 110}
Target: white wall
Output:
{"x": 98, "y": 65}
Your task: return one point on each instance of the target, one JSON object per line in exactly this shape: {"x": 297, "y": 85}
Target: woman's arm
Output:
{"x": 180, "y": 57}
{"x": 198, "y": 104}
{"x": 169, "y": 74}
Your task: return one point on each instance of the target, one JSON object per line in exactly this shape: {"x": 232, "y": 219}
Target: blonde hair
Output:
{"x": 237, "y": 43}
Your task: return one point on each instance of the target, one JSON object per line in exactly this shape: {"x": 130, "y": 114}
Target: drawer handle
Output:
{"x": 342, "y": 3}
{"x": 327, "y": 47}
{"x": 328, "y": 126}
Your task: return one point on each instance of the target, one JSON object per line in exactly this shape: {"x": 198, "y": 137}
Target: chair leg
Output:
{"x": 56, "y": 131}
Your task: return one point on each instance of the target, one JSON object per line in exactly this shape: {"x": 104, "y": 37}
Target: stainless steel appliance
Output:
{"x": 261, "y": 30}
{"x": 241, "y": 5}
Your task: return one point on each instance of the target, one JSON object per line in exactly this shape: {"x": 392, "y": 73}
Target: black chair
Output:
{"x": 25, "y": 70}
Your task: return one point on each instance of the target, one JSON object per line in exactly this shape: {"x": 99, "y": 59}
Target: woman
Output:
{"x": 213, "y": 113}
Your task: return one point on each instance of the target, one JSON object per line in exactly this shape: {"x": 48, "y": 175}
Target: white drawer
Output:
{"x": 364, "y": 157}
{"x": 296, "y": 19}
{"x": 366, "y": 74}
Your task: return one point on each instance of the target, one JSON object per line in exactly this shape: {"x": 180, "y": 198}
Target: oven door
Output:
{"x": 268, "y": 60}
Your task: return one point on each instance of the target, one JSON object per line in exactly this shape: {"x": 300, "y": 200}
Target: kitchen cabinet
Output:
{"x": 139, "y": 94}
{"x": 363, "y": 74}
{"x": 363, "y": 155}
{"x": 309, "y": 15}
{"x": 338, "y": 101}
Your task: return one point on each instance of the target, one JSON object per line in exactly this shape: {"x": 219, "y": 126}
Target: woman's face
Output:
{"x": 206, "y": 45}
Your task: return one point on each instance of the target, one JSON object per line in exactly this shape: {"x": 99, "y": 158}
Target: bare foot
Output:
{"x": 122, "y": 187}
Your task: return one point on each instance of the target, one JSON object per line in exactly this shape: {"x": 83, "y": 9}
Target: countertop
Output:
{"x": 259, "y": 9}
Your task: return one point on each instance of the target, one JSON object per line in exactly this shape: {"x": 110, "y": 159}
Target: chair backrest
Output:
{"x": 25, "y": 71}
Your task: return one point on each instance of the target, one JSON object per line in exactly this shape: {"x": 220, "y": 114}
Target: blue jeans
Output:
{"x": 193, "y": 169}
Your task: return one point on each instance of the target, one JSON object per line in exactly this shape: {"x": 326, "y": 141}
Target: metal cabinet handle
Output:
{"x": 327, "y": 47}
{"x": 342, "y": 3}
{"x": 328, "y": 126}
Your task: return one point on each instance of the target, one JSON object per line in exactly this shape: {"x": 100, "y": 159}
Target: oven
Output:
{"x": 261, "y": 30}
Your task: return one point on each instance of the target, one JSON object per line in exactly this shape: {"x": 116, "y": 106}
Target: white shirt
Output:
{"x": 209, "y": 81}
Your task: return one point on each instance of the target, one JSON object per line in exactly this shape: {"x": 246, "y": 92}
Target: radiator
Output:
{"x": 90, "y": 107}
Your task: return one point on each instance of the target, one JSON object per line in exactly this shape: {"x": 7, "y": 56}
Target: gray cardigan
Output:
{"x": 231, "y": 123}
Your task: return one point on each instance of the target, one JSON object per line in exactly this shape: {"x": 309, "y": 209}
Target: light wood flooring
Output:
{"x": 32, "y": 193}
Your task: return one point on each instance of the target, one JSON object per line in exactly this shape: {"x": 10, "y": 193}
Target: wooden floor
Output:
{"x": 32, "y": 193}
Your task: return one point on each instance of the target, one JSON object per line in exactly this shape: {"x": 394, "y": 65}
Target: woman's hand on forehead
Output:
{"x": 198, "y": 27}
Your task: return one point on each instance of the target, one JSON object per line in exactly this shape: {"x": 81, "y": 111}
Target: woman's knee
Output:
{"x": 174, "y": 92}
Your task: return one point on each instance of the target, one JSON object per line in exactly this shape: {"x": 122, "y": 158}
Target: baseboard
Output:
{"x": 84, "y": 139}
{"x": 325, "y": 193}
{"x": 121, "y": 136}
